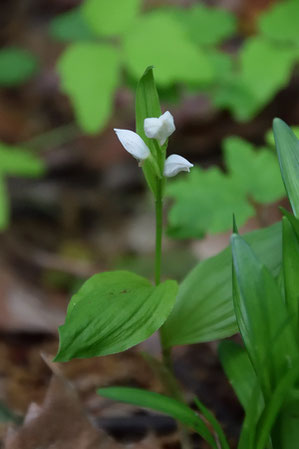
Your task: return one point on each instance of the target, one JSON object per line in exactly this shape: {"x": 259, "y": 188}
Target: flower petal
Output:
{"x": 133, "y": 143}
{"x": 175, "y": 164}
{"x": 159, "y": 128}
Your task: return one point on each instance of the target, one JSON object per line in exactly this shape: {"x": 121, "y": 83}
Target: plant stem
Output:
{"x": 169, "y": 380}
{"x": 159, "y": 228}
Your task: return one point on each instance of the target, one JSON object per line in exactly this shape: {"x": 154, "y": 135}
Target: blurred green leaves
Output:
{"x": 159, "y": 39}
{"x": 183, "y": 45}
{"x": 89, "y": 75}
{"x": 15, "y": 161}
{"x": 16, "y": 66}
{"x": 203, "y": 198}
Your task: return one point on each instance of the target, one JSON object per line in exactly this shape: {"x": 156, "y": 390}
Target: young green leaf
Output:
{"x": 280, "y": 22}
{"x": 206, "y": 25}
{"x": 287, "y": 146}
{"x": 147, "y": 105}
{"x": 261, "y": 179}
{"x": 204, "y": 307}
{"x": 89, "y": 75}
{"x": 168, "y": 48}
{"x": 110, "y": 18}
{"x": 112, "y": 312}
{"x": 164, "y": 404}
{"x": 240, "y": 372}
{"x": 291, "y": 269}
{"x": 16, "y": 66}
{"x": 71, "y": 26}
{"x": 262, "y": 317}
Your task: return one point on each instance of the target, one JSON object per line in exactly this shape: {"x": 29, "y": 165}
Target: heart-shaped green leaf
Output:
{"x": 112, "y": 312}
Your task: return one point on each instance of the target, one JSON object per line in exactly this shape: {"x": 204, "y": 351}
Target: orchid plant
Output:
{"x": 116, "y": 310}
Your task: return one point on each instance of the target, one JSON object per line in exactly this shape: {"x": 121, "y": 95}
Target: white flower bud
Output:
{"x": 133, "y": 144}
{"x": 159, "y": 128}
{"x": 175, "y": 164}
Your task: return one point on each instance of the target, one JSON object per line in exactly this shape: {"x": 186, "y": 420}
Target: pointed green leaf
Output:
{"x": 204, "y": 307}
{"x": 280, "y": 22}
{"x": 291, "y": 269}
{"x": 287, "y": 146}
{"x": 147, "y": 105}
{"x": 112, "y": 312}
{"x": 164, "y": 404}
{"x": 262, "y": 317}
{"x": 89, "y": 75}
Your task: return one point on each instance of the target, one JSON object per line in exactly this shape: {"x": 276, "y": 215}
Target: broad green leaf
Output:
{"x": 17, "y": 66}
{"x": 280, "y": 22}
{"x": 89, "y": 75}
{"x": 256, "y": 171}
{"x": 147, "y": 105}
{"x": 71, "y": 26}
{"x": 204, "y": 307}
{"x": 112, "y": 312}
{"x": 204, "y": 202}
{"x": 291, "y": 269}
{"x": 15, "y": 161}
{"x": 262, "y": 317}
{"x": 109, "y": 18}
{"x": 293, "y": 220}
{"x": 289, "y": 420}
{"x": 250, "y": 422}
{"x": 287, "y": 146}
{"x": 160, "y": 403}
{"x": 4, "y": 205}
{"x": 158, "y": 39}
{"x": 207, "y": 26}
{"x": 240, "y": 373}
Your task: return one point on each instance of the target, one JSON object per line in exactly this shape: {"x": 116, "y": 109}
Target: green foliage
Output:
{"x": 262, "y": 317}
{"x": 204, "y": 301}
{"x": 168, "y": 48}
{"x": 280, "y": 22}
{"x": 240, "y": 372}
{"x": 148, "y": 105}
{"x": 16, "y": 66}
{"x": 264, "y": 68}
{"x": 71, "y": 26}
{"x": 204, "y": 197}
{"x": 207, "y": 26}
{"x": 89, "y": 75}
{"x": 15, "y": 161}
{"x": 287, "y": 146}
{"x": 163, "y": 404}
{"x": 109, "y": 18}
{"x": 112, "y": 312}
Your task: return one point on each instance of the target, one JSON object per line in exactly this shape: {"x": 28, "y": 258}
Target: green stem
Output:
{"x": 159, "y": 229}
{"x": 171, "y": 384}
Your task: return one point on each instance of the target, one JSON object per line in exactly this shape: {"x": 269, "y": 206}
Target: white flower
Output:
{"x": 175, "y": 164}
{"x": 159, "y": 128}
{"x": 133, "y": 143}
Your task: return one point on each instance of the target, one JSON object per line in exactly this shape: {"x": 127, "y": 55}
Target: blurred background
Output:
{"x": 73, "y": 202}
